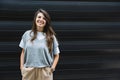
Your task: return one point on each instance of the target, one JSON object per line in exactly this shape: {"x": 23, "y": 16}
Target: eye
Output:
{"x": 39, "y": 16}
{"x": 44, "y": 18}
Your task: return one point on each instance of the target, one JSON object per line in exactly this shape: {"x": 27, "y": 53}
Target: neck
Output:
{"x": 40, "y": 29}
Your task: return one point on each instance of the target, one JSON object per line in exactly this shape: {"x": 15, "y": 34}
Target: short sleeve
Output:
{"x": 23, "y": 41}
{"x": 56, "y": 49}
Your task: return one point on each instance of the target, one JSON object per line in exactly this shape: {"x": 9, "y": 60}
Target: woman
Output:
{"x": 40, "y": 51}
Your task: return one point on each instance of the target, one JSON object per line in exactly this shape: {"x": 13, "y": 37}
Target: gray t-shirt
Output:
{"x": 36, "y": 52}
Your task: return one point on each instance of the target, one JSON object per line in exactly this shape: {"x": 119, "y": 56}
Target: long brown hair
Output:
{"x": 47, "y": 29}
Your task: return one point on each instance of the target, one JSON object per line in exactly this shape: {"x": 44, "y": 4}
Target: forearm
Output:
{"x": 22, "y": 59}
{"x": 55, "y": 62}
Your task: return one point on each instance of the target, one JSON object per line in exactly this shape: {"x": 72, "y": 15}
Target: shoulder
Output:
{"x": 54, "y": 37}
{"x": 55, "y": 40}
{"x": 26, "y": 33}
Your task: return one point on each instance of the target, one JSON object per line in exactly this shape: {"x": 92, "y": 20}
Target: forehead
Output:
{"x": 40, "y": 14}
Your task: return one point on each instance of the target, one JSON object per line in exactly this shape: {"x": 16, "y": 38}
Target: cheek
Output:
{"x": 36, "y": 21}
{"x": 45, "y": 22}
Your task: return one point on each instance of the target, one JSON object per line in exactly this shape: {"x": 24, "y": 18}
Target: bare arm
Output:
{"x": 55, "y": 62}
{"x": 22, "y": 59}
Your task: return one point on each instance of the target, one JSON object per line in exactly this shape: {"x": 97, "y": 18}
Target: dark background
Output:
{"x": 88, "y": 32}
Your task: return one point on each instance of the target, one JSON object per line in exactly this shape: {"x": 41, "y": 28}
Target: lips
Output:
{"x": 40, "y": 22}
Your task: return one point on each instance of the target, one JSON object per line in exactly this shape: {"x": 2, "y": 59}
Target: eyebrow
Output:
{"x": 41, "y": 16}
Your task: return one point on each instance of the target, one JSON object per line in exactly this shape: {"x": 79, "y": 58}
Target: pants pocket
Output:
{"x": 47, "y": 71}
{"x": 26, "y": 70}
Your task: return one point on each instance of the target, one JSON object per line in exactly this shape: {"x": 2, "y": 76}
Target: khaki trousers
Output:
{"x": 44, "y": 73}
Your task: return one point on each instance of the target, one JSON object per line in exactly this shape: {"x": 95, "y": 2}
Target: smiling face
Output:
{"x": 40, "y": 21}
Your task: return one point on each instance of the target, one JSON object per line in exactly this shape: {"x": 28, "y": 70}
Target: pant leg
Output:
{"x": 44, "y": 74}
{"x": 28, "y": 73}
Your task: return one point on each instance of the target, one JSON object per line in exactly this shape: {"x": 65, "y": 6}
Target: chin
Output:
{"x": 40, "y": 26}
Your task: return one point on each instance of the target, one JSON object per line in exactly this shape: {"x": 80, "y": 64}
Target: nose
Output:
{"x": 41, "y": 18}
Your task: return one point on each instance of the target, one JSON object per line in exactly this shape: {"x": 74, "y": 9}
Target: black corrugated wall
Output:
{"x": 88, "y": 32}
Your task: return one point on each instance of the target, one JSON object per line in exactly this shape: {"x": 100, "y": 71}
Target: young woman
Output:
{"x": 40, "y": 51}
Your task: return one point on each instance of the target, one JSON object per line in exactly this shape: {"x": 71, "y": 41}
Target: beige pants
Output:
{"x": 37, "y": 73}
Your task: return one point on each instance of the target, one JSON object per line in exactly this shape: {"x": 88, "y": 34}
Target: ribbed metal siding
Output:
{"x": 88, "y": 32}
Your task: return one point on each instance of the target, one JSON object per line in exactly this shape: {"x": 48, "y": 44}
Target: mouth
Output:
{"x": 40, "y": 22}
